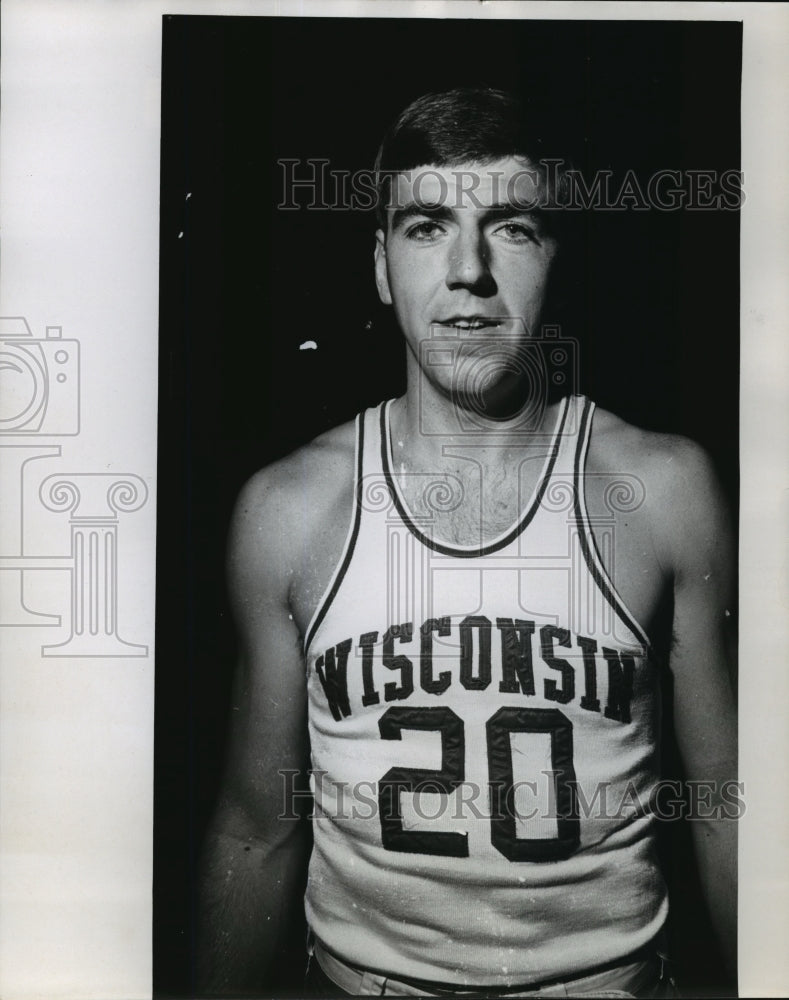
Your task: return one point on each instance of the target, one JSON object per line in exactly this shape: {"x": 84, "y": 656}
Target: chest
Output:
{"x": 469, "y": 503}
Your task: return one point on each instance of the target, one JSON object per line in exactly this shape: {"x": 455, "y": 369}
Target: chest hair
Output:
{"x": 469, "y": 502}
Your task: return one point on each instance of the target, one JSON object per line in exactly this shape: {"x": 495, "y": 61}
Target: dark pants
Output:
{"x": 318, "y": 984}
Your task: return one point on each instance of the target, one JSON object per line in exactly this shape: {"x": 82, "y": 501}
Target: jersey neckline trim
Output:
{"x": 588, "y": 543}
{"x": 350, "y": 541}
{"x": 470, "y": 551}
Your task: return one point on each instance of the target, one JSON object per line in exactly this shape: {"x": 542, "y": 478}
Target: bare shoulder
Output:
{"x": 312, "y": 475}
{"x": 661, "y": 456}
{"x": 288, "y": 507}
{"x": 682, "y": 498}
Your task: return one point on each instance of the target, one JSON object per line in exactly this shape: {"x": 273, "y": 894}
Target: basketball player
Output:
{"x": 442, "y": 614}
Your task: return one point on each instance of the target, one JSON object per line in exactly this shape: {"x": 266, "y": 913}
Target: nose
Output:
{"x": 467, "y": 266}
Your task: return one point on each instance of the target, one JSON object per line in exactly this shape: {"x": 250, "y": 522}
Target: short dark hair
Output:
{"x": 463, "y": 125}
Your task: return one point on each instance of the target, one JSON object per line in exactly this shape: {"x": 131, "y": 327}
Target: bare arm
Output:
{"x": 254, "y": 860}
{"x": 695, "y": 532}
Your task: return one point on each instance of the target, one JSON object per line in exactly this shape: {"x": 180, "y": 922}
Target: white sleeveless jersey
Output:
{"x": 484, "y": 737}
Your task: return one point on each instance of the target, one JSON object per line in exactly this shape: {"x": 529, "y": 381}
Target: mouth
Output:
{"x": 469, "y": 322}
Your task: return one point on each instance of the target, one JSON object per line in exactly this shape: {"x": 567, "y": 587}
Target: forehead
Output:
{"x": 511, "y": 181}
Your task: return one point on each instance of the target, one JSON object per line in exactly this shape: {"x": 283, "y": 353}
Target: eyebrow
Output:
{"x": 441, "y": 212}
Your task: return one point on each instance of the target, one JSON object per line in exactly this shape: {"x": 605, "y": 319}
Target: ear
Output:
{"x": 381, "y": 279}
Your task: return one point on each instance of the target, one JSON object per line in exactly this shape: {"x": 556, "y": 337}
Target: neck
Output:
{"x": 429, "y": 422}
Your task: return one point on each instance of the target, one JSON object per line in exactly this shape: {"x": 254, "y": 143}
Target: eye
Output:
{"x": 517, "y": 232}
{"x": 424, "y": 231}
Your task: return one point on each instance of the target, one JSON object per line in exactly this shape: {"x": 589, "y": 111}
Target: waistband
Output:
{"x": 625, "y": 976}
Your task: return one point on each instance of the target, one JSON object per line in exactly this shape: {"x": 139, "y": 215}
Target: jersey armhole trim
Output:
{"x": 588, "y": 542}
{"x": 350, "y": 541}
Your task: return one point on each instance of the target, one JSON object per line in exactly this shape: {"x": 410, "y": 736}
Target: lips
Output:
{"x": 470, "y": 322}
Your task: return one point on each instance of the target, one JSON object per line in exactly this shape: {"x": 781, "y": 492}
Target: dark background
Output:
{"x": 243, "y": 284}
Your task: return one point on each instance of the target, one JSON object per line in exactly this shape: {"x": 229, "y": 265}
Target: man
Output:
{"x": 438, "y": 616}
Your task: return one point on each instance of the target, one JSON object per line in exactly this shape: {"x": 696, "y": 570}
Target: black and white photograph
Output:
{"x": 449, "y": 367}
{"x": 392, "y": 499}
